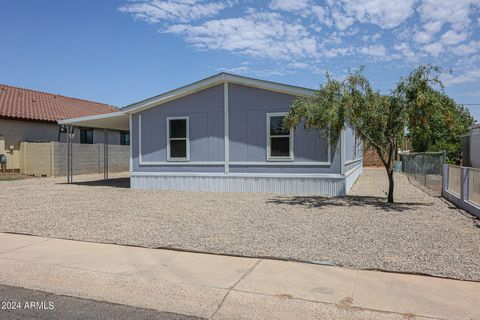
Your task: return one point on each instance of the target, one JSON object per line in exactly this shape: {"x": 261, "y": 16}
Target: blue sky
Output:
{"x": 121, "y": 51}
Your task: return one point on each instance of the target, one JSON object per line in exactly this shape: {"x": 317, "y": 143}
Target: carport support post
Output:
{"x": 105, "y": 154}
{"x": 69, "y": 154}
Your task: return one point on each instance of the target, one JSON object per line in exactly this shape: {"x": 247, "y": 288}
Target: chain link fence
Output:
{"x": 426, "y": 168}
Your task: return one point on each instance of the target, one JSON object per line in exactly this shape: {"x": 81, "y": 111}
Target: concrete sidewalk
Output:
{"x": 222, "y": 287}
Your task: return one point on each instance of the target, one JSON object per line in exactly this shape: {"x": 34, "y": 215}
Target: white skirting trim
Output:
{"x": 332, "y": 186}
{"x": 351, "y": 176}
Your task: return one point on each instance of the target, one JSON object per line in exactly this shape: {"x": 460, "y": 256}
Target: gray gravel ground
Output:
{"x": 420, "y": 233}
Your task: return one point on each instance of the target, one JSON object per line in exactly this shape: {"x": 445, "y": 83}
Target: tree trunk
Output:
{"x": 391, "y": 185}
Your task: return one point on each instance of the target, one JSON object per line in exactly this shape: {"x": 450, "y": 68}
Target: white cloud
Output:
{"x": 423, "y": 37}
{"x": 433, "y": 48}
{"x": 302, "y": 34}
{"x": 371, "y": 37}
{"x": 406, "y": 51}
{"x": 289, "y": 5}
{"x": 257, "y": 34}
{"x": 385, "y": 14}
{"x": 378, "y": 52}
{"x": 454, "y": 12}
{"x": 342, "y": 21}
{"x": 465, "y": 76}
{"x": 154, "y": 11}
{"x": 466, "y": 48}
{"x": 452, "y": 37}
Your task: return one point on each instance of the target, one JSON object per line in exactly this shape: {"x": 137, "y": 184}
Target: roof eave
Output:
{"x": 213, "y": 81}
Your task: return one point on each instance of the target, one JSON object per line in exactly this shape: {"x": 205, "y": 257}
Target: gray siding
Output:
{"x": 247, "y": 134}
{"x": 248, "y": 108}
{"x": 205, "y": 110}
{"x": 354, "y": 147}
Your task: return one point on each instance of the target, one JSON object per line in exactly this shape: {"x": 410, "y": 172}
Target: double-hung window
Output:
{"x": 279, "y": 138}
{"x": 178, "y": 143}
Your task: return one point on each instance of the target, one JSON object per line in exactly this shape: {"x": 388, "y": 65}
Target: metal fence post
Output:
{"x": 444, "y": 179}
{"x": 464, "y": 184}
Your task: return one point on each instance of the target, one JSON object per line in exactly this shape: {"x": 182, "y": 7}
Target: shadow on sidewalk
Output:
{"x": 319, "y": 202}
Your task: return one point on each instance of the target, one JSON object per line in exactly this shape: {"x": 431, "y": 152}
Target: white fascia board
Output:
{"x": 89, "y": 118}
{"x": 253, "y": 175}
{"x": 114, "y": 121}
{"x": 269, "y": 85}
{"x": 213, "y": 81}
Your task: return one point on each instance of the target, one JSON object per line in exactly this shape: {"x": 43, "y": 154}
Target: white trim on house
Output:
{"x": 181, "y": 163}
{"x": 130, "y": 121}
{"x": 187, "y": 139}
{"x": 351, "y": 177}
{"x": 213, "y": 81}
{"x": 281, "y": 163}
{"x": 240, "y": 174}
{"x": 343, "y": 150}
{"x": 237, "y": 163}
{"x": 225, "y": 127}
{"x": 353, "y": 161}
{"x": 269, "y": 137}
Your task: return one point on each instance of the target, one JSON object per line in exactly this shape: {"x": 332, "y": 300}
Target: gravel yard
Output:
{"x": 420, "y": 233}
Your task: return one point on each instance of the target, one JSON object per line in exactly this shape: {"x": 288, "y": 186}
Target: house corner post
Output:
{"x": 343, "y": 150}
{"x": 225, "y": 125}
{"x": 131, "y": 142}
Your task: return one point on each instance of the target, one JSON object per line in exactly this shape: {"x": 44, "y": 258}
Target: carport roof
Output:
{"x": 115, "y": 121}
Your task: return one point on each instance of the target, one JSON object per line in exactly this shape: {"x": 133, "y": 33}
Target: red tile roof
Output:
{"x": 35, "y": 105}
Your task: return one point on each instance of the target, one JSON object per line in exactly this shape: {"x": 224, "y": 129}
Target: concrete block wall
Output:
{"x": 371, "y": 158}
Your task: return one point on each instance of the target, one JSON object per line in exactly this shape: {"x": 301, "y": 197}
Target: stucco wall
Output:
{"x": 16, "y": 131}
{"x": 247, "y": 134}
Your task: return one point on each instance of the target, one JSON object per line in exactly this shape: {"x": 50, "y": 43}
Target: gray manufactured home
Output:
{"x": 224, "y": 133}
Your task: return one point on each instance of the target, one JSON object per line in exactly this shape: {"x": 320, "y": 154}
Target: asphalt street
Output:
{"x": 25, "y": 304}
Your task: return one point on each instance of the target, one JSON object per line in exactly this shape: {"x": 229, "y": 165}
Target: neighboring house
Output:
{"x": 225, "y": 133}
{"x": 28, "y": 115}
{"x": 471, "y": 147}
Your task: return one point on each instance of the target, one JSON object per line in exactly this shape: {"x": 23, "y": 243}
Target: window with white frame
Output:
{"x": 279, "y": 138}
{"x": 178, "y": 143}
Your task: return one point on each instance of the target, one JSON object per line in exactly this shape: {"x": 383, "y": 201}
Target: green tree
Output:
{"x": 378, "y": 119}
{"x": 435, "y": 121}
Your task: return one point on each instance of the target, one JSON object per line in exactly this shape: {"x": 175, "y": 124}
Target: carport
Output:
{"x": 110, "y": 121}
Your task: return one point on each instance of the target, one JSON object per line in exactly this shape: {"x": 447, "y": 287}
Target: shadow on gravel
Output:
{"x": 319, "y": 202}
{"x": 114, "y": 183}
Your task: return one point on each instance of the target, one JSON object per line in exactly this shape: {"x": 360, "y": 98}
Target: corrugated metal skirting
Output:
{"x": 280, "y": 185}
